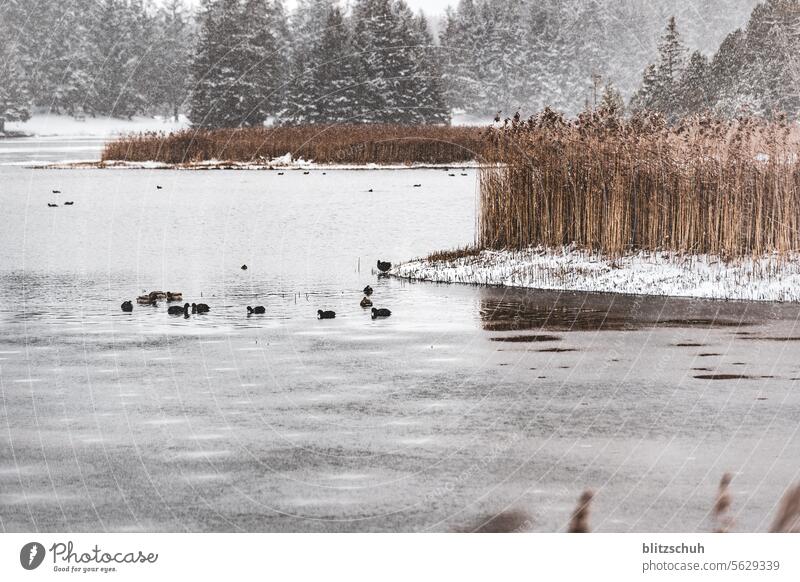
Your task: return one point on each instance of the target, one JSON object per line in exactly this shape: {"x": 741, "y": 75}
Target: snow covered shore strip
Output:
{"x": 282, "y": 163}
{"x": 769, "y": 278}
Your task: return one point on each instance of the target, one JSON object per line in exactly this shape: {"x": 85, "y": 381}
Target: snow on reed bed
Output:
{"x": 768, "y": 278}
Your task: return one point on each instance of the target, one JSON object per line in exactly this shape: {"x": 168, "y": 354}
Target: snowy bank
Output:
{"x": 49, "y": 125}
{"x": 769, "y": 278}
{"x": 283, "y": 163}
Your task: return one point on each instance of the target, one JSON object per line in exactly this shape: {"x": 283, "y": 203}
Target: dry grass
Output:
{"x": 452, "y": 255}
{"x": 339, "y": 144}
{"x": 727, "y": 188}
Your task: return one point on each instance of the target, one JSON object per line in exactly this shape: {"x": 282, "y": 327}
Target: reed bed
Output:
{"x": 339, "y": 144}
{"x": 704, "y": 186}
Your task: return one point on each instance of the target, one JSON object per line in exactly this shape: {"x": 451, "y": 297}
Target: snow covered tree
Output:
{"x": 169, "y": 62}
{"x": 235, "y": 76}
{"x": 693, "y": 95}
{"x": 309, "y": 21}
{"x": 336, "y": 75}
{"x": 116, "y": 53}
{"x": 14, "y": 98}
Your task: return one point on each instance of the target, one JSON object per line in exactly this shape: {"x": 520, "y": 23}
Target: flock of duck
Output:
{"x": 188, "y": 309}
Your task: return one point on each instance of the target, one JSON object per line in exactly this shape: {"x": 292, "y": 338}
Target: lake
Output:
{"x": 466, "y": 402}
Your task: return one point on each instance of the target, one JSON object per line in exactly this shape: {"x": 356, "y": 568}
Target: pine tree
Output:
{"x": 693, "y": 92}
{"x": 116, "y": 44}
{"x": 336, "y": 74}
{"x": 218, "y": 99}
{"x": 14, "y": 98}
{"x": 169, "y": 63}
{"x": 259, "y": 81}
{"x": 309, "y": 21}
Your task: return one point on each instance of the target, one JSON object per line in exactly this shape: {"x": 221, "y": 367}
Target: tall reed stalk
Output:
{"x": 728, "y": 188}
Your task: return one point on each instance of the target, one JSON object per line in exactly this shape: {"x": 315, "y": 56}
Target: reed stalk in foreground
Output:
{"x": 580, "y": 517}
{"x": 337, "y": 144}
{"x": 706, "y": 186}
{"x": 788, "y": 518}
{"x": 722, "y": 505}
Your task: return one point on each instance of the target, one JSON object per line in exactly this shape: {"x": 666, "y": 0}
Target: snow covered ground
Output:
{"x": 285, "y": 162}
{"x": 66, "y": 126}
{"x": 665, "y": 274}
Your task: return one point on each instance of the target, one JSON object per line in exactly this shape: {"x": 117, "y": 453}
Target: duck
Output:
{"x": 159, "y": 187}
{"x": 376, "y": 313}
{"x": 465, "y": 174}
{"x": 144, "y": 300}
{"x": 127, "y": 306}
{"x": 200, "y": 308}
{"x": 174, "y": 296}
{"x": 52, "y": 205}
{"x": 417, "y": 185}
{"x": 244, "y": 267}
{"x": 366, "y": 302}
{"x": 370, "y": 190}
{"x": 368, "y": 291}
{"x": 259, "y": 310}
{"x": 56, "y": 191}
{"x": 178, "y": 310}
{"x": 280, "y": 173}
{"x": 70, "y": 203}
{"x": 326, "y": 314}
{"x": 306, "y": 173}
{"x": 384, "y": 266}
{"x": 452, "y": 175}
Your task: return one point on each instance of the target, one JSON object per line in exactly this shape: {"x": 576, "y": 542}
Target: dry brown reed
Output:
{"x": 579, "y": 523}
{"x": 788, "y": 518}
{"x": 338, "y": 144}
{"x": 728, "y": 188}
{"x": 722, "y": 504}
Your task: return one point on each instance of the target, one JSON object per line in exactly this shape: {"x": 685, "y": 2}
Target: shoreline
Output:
{"x": 770, "y": 278}
{"x": 274, "y": 165}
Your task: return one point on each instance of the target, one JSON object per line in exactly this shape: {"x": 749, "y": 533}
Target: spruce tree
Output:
{"x": 14, "y": 97}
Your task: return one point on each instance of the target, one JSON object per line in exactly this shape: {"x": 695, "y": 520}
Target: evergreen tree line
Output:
{"x": 754, "y": 71}
{"x": 108, "y": 57}
{"x": 243, "y": 62}
{"x": 375, "y": 64}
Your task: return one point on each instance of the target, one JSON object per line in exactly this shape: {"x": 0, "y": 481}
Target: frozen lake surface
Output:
{"x": 466, "y": 402}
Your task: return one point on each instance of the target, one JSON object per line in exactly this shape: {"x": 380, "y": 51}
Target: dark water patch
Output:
{"x": 689, "y": 345}
{"x": 724, "y": 377}
{"x": 772, "y": 338}
{"x": 709, "y": 355}
{"x": 700, "y": 323}
{"x": 739, "y": 364}
{"x": 527, "y": 338}
{"x": 701, "y": 369}
{"x": 556, "y": 350}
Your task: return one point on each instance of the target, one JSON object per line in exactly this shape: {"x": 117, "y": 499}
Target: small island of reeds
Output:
{"x": 281, "y": 146}
{"x": 702, "y": 208}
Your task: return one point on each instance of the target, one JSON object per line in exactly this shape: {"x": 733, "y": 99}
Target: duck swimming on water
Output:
{"x": 178, "y": 310}
{"x": 200, "y": 308}
{"x": 376, "y": 313}
{"x": 384, "y": 267}
{"x": 259, "y": 310}
{"x": 127, "y": 306}
{"x": 366, "y": 302}
{"x": 326, "y": 314}
{"x": 368, "y": 291}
